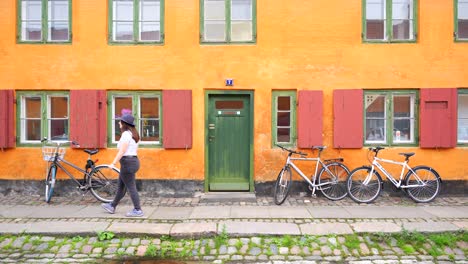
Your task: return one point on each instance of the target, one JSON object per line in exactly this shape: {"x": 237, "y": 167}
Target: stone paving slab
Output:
{"x": 447, "y": 211}
{"x": 16, "y": 211}
{"x": 241, "y": 228}
{"x": 371, "y": 227}
{"x": 250, "y": 212}
{"x": 325, "y": 229}
{"x": 171, "y": 213}
{"x": 288, "y": 212}
{"x": 140, "y": 228}
{"x": 53, "y": 211}
{"x": 96, "y": 211}
{"x": 54, "y": 227}
{"x": 387, "y": 212}
{"x": 211, "y": 212}
{"x": 461, "y": 224}
{"x": 193, "y": 229}
{"x": 328, "y": 212}
{"x": 430, "y": 226}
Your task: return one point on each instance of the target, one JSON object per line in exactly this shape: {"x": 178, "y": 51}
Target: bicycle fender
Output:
{"x": 426, "y": 167}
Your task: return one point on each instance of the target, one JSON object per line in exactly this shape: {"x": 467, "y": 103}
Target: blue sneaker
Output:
{"x": 135, "y": 213}
{"x": 108, "y": 207}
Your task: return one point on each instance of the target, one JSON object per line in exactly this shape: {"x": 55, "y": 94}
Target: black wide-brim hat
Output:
{"x": 128, "y": 119}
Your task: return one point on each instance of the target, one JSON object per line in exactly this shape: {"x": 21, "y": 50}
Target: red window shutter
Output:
{"x": 348, "y": 115}
{"x": 7, "y": 135}
{"x": 309, "y": 119}
{"x": 177, "y": 119}
{"x": 88, "y": 123}
{"x": 438, "y": 119}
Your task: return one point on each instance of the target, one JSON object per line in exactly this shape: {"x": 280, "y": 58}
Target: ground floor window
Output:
{"x": 463, "y": 116}
{"x": 284, "y": 117}
{"x": 390, "y": 117}
{"x": 42, "y": 114}
{"x": 145, "y": 107}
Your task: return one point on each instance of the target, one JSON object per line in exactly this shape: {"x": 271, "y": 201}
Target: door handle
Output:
{"x": 211, "y": 138}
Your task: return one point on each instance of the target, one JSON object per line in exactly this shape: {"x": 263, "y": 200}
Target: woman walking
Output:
{"x": 129, "y": 165}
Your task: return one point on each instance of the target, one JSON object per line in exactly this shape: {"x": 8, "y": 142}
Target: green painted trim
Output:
{"x": 44, "y": 25}
{"x": 44, "y": 114}
{"x": 461, "y": 91}
{"x": 136, "y": 26}
{"x": 293, "y": 103}
{"x": 135, "y": 96}
{"x": 388, "y": 25}
{"x": 207, "y": 95}
{"x": 389, "y": 118}
{"x": 228, "y": 25}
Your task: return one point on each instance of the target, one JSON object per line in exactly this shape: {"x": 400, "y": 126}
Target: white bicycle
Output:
{"x": 421, "y": 183}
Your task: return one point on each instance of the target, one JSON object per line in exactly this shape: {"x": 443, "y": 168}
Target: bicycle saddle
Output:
{"x": 407, "y": 155}
{"x": 91, "y": 151}
{"x": 319, "y": 147}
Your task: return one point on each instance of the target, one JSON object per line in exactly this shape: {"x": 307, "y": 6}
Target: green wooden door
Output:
{"x": 228, "y": 142}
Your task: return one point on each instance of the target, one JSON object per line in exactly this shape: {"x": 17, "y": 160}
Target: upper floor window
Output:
{"x": 42, "y": 114}
{"x": 389, "y": 20}
{"x": 284, "y": 117}
{"x": 145, "y": 107}
{"x": 136, "y": 21}
{"x": 463, "y": 116}
{"x": 228, "y": 21}
{"x": 461, "y": 20}
{"x": 390, "y": 117}
{"x": 44, "y": 21}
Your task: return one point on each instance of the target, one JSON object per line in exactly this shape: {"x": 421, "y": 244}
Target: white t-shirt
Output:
{"x": 132, "y": 145}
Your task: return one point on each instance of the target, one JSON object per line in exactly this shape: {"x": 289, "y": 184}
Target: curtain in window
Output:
{"x": 241, "y": 20}
{"x": 375, "y": 19}
{"x": 31, "y": 20}
{"x": 58, "y": 26}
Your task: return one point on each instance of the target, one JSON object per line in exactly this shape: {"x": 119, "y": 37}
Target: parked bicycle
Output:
{"x": 364, "y": 184}
{"x": 330, "y": 179}
{"x": 101, "y": 180}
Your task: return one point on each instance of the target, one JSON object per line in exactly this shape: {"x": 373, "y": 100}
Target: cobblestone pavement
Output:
{"x": 309, "y": 249}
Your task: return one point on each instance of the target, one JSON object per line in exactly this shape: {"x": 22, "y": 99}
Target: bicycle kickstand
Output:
{"x": 312, "y": 194}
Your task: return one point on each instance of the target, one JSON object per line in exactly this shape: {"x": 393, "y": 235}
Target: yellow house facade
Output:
{"x": 216, "y": 84}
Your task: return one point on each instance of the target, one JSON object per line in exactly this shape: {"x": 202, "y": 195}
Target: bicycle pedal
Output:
{"x": 313, "y": 195}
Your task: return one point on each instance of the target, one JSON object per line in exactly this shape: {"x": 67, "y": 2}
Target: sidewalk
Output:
{"x": 188, "y": 217}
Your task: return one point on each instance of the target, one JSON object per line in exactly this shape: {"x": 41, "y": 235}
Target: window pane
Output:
{"x": 283, "y": 135}
{"x": 375, "y": 29}
{"x": 241, "y": 31}
{"x": 241, "y": 10}
{"x": 149, "y": 31}
{"x": 401, "y": 106}
{"x": 463, "y": 118}
{"x": 58, "y": 10}
{"x": 375, "y": 10}
{"x": 122, "y": 105}
{"x": 214, "y": 10}
{"x": 284, "y": 119}
{"x": 149, "y": 107}
{"x": 215, "y": 31}
{"x": 402, "y": 29}
{"x": 375, "y": 130}
{"x": 463, "y": 29}
{"x": 58, "y": 31}
{"x": 58, "y": 129}
{"x": 31, "y": 10}
{"x": 31, "y": 31}
{"x": 375, "y": 105}
{"x": 284, "y": 103}
{"x": 403, "y": 118}
{"x": 59, "y": 107}
{"x": 150, "y": 10}
{"x": 402, "y": 9}
{"x": 123, "y": 31}
{"x": 149, "y": 130}
{"x": 462, "y": 9}
{"x": 123, "y": 10}
{"x": 375, "y": 118}
{"x": 33, "y": 107}
{"x": 33, "y": 129}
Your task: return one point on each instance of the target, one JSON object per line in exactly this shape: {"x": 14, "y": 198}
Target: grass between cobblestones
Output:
{"x": 445, "y": 246}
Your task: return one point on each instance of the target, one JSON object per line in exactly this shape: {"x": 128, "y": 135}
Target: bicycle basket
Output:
{"x": 48, "y": 153}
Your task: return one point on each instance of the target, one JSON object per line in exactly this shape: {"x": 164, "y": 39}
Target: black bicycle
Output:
{"x": 101, "y": 180}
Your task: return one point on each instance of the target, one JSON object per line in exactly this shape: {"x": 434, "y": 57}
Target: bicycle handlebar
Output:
{"x": 60, "y": 142}
{"x": 376, "y": 149}
{"x": 292, "y": 151}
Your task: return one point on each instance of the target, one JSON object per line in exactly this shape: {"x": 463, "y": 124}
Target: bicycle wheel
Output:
{"x": 362, "y": 186}
{"x": 282, "y": 185}
{"x": 428, "y": 182}
{"x": 103, "y": 182}
{"x": 50, "y": 182}
{"x": 333, "y": 177}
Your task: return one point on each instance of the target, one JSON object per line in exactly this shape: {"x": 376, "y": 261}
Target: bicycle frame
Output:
{"x": 58, "y": 162}
{"x": 289, "y": 162}
{"x": 404, "y": 165}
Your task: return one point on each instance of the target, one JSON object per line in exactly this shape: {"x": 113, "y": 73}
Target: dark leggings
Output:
{"x": 129, "y": 165}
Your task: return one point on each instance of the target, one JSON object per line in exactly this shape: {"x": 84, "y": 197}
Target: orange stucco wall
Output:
{"x": 300, "y": 45}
